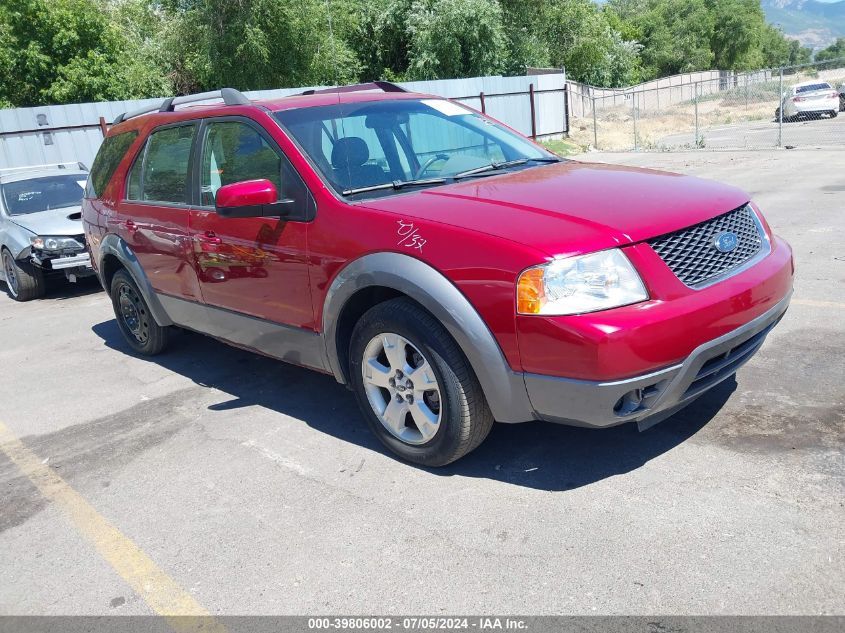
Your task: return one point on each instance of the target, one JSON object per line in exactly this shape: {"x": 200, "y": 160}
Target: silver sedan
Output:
{"x": 41, "y": 227}
{"x": 810, "y": 99}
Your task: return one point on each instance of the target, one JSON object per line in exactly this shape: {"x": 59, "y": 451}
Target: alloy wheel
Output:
{"x": 402, "y": 388}
{"x": 10, "y": 270}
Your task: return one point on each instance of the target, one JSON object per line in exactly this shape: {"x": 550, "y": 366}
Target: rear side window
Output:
{"x": 161, "y": 172}
{"x": 108, "y": 158}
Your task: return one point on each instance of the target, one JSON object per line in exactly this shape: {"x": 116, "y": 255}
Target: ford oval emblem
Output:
{"x": 726, "y": 241}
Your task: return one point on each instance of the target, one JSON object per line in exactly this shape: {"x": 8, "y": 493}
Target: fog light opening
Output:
{"x": 629, "y": 403}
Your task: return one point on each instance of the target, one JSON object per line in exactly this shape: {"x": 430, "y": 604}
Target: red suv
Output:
{"x": 448, "y": 270}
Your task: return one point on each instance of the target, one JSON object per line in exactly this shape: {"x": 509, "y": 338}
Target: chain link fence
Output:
{"x": 788, "y": 107}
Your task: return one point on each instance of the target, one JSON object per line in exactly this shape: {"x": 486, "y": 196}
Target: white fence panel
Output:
{"x": 53, "y": 134}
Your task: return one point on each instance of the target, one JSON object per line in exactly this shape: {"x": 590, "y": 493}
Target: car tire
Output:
{"x": 833, "y": 114}
{"x": 24, "y": 282}
{"x": 444, "y": 415}
{"x": 136, "y": 322}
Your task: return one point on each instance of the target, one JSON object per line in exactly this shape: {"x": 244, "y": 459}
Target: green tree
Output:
{"x": 379, "y": 37}
{"x": 525, "y": 35}
{"x": 61, "y": 51}
{"x": 774, "y": 47}
{"x": 455, "y": 38}
{"x": 582, "y": 39}
{"x": 687, "y": 35}
{"x": 736, "y": 34}
{"x": 255, "y": 44}
{"x": 57, "y": 51}
{"x": 676, "y": 37}
{"x": 144, "y": 65}
{"x": 799, "y": 54}
{"x": 834, "y": 51}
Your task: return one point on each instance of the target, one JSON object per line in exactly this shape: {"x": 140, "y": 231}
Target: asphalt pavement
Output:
{"x": 224, "y": 481}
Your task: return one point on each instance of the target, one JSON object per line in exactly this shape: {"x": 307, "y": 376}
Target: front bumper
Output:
{"x": 652, "y": 397}
{"x": 83, "y": 260}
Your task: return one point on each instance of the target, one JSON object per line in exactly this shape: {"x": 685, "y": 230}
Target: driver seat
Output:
{"x": 349, "y": 163}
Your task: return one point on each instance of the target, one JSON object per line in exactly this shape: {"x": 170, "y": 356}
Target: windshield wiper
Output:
{"x": 396, "y": 184}
{"x": 504, "y": 165}
{"x": 400, "y": 184}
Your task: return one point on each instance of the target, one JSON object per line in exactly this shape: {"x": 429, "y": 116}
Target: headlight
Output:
{"x": 580, "y": 284}
{"x": 55, "y": 243}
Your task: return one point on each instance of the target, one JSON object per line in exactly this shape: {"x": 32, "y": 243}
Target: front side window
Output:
{"x": 161, "y": 172}
{"x": 360, "y": 145}
{"x": 234, "y": 151}
{"x": 34, "y": 195}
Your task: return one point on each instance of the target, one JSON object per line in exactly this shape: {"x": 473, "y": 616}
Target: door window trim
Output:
{"x": 142, "y": 156}
{"x": 199, "y": 148}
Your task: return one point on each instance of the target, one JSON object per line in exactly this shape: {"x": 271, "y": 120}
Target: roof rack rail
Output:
{"x": 5, "y": 171}
{"x": 385, "y": 86}
{"x": 230, "y": 96}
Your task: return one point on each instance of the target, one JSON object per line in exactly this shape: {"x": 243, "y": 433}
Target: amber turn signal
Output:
{"x": 530, "y": 291}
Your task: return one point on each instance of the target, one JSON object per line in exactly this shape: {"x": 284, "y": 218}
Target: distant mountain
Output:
{"x": 816, "y": 24}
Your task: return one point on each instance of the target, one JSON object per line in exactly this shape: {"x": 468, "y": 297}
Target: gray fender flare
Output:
{"x": 117, "y": 246}
{"x": 504, "y": 389}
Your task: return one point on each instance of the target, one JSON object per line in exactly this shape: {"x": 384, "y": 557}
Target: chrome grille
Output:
{"x": 692, "y": 255}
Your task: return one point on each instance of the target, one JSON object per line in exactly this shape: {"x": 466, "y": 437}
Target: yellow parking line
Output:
{"x": 158, "y": 590}
{"x": 818, "y": 304}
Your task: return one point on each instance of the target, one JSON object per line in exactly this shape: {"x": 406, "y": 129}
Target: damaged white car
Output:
{"x": 40, "y": 227}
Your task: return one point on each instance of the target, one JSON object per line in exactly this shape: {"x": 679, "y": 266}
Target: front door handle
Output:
{"x": 209, "y": 237}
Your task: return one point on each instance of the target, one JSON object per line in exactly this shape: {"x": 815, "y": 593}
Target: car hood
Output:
{"x": 64, "y": 221}
{"x": 571, "y": 207}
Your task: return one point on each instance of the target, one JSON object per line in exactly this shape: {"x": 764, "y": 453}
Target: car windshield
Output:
{"x": 34, "y": 195}
{"x": 379, "y": 147}
{"x": 813, "y": 88}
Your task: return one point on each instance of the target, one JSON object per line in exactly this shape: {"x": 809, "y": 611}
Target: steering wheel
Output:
{"x": 429, "y": 163}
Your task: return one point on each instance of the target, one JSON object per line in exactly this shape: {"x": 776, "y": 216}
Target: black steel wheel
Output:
{"x": 134, "y": 317}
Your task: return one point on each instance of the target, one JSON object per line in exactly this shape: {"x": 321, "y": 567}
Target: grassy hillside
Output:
{"x": 815, "y": 23}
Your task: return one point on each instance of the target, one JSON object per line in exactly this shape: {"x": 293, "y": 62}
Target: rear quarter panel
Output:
{"x": 99, "y": 212}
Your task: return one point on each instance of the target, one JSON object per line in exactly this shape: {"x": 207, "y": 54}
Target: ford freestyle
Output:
{"x": 448, "y": 270}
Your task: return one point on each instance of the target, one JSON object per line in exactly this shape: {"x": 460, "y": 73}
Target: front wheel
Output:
{"x": 24, "y": 282}
{"x": 134, "y": 318}
{"x": 414, "y": 385}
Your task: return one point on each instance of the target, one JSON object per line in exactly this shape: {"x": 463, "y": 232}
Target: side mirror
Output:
{"x": 251, "y": 199}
